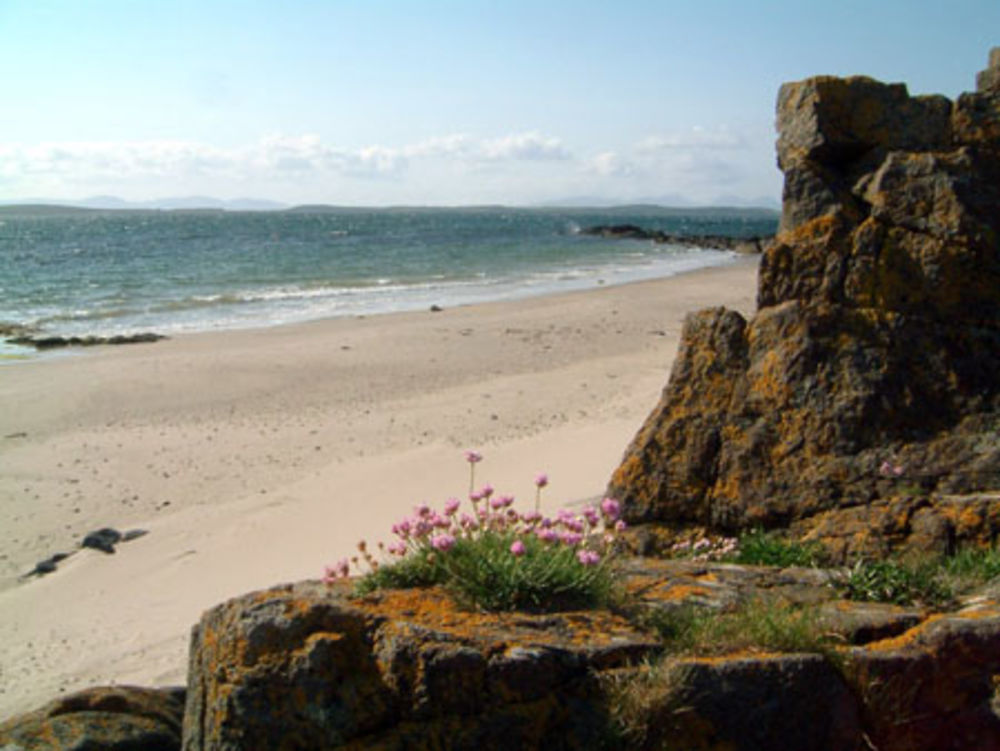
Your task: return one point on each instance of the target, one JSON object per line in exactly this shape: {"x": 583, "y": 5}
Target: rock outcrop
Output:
{"x": 308, "y": 666}
{"x": 303, "y": 666}
{"x": 868, "y": 377}
{"x": 116, "y": 718}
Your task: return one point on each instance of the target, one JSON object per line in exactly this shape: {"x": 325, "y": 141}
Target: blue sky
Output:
{"x": 379, "y": 102}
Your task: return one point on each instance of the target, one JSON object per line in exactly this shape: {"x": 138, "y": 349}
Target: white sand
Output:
{"x": 256, "y": 457}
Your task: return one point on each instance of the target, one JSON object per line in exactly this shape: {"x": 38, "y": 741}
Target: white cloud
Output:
{"x": 695, "y": 138}
{"x": 525, "y": 146}
{"x": 454, "y": 168}
{"x": 610, "y": 164}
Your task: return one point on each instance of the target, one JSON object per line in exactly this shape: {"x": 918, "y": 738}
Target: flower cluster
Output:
{"x": 427, "y": 533}
{"x": 705, "y": 549}
{"x": 889, "y": 469}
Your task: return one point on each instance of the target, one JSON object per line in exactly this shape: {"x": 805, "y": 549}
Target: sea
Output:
{"x": 85, "y": 272}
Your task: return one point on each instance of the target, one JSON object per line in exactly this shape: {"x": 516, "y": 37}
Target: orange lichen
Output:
{"x": 906, "y": 639}
{"x": 675, "y": 592}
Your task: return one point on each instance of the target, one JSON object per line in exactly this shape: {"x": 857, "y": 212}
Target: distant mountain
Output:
{"x": 672, "y": 200}
{"x": 114, "y": 203}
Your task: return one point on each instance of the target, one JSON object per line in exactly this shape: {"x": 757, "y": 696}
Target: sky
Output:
{"x": 386, "y": 102}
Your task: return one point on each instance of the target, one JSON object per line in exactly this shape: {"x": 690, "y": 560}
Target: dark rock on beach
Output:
{"x": 56, "y": 342}
{"x": 117, "y": 718}
{"x": 102, "y": 539}
{"x": 865, "y": 386}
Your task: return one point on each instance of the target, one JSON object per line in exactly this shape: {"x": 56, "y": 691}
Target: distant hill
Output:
{"x": 114, "y": 203}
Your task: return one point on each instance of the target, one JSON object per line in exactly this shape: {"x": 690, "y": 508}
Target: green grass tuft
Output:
{"x": 755, "y": 625}
{"x": 760, "y": 548}
{"x": 480, "y": 572}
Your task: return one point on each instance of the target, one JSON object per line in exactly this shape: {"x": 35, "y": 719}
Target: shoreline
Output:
{"x": 20, "y": 342}
{"x": 259, "y": 455}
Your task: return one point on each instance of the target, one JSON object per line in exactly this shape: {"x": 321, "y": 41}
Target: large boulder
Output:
{"x": 306, "y": 666}
{"x": 869, "y": 370}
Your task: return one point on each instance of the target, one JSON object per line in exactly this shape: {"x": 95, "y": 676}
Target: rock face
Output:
{"x": 869, "y": 371}
{"x": 118, "y": 718}
{"x": 303, "y": 666}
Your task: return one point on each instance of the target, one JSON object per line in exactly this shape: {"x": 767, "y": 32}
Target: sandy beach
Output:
{"x": 256, "y": 457}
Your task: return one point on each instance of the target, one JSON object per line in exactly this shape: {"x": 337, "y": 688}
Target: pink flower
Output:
{"x": 588, "y": 557}
{"x": 467, "y": 522}
{"x": 517, "y": 548}
{"x": 573, "y": 525}
{"x": 486, "y": 491}
{"x": 473, "y": 457}
{"x": 541, "y": 480}
{"x": 501, "y": 501}
{"x": 620, "y": 526}
{"x": 590, "y": 514}
{"x": 443, "y": 543}
{"x": 531, "y": 517}
{"x": 422, "y": 510}
{"x": 402, "y": 529}
{"x": 547, "y": 534}
{"x": 340, "y": 570}
{"x": 451, "y": 506}
{"x": 571, "y": 539}
{"x": 397, "y": 548}
{"x": 611, "y": 509}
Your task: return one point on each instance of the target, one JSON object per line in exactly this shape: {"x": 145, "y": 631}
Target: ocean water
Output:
{"x": 106, "y": 273}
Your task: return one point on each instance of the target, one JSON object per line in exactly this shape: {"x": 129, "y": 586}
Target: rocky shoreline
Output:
{"x": 752, "y": 244}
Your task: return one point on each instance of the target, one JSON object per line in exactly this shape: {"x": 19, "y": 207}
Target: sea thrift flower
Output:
{"x": 611, "y": 509}
{"x": 588, "y": 557}
{"x": 397, "y": 548}
{"x": 590, "y": 514}
{"x": 541, "y": 480}
{"x": 547, "y": 534}
{"x": 517, "y": 548}
{"x": 888, "y": 469}
{"x": 571, "y": 539}
{"x": 443, "y": 543}
{"x": 422, "y": 510}
{"x": 451, "y": 506}
{"x": 620, "y": 525}
{"x": 473, "y": 458}
{"x": 467, "y": 522}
